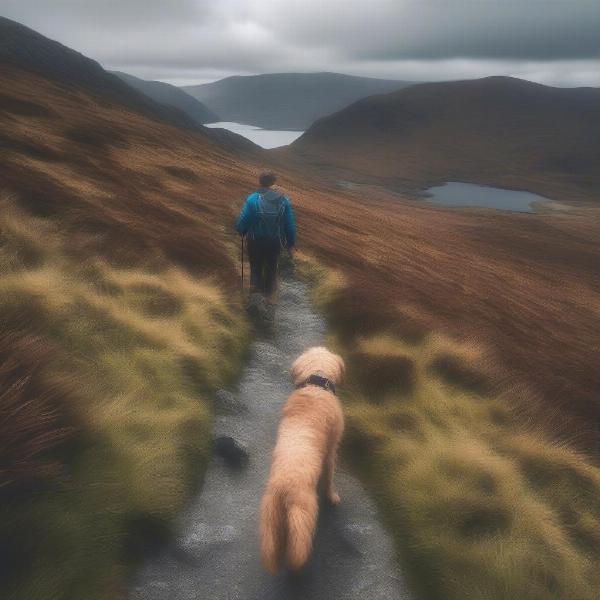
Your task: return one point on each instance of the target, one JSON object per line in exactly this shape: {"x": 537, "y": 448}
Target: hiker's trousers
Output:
{"x": 263, "y": 255}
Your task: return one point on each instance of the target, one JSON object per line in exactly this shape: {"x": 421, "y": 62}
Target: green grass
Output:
{"x": 142, "y": 350}
{"x": 481, "y": 502}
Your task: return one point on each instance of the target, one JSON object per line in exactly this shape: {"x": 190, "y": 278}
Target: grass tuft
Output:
{"x": 379, "y": 368}
{"x": 454, "y": 371}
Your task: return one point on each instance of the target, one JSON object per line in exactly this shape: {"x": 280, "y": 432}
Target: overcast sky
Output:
{"x": 189, "y": 41}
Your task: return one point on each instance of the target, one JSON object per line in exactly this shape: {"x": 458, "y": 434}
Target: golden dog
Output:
{"x": 306, "y": 450}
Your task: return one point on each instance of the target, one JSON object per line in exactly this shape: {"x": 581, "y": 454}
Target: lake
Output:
{"x": 455, "y": 193}
{"x": 266, "y": 138}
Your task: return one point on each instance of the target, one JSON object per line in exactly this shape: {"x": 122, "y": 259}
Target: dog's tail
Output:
{"x": 301, "y": 522}
{"x": 287, "y": 526}
{"x": 271, "y": 531}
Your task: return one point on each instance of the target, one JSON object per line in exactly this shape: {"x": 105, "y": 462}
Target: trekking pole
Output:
{"x": 242, "y": 238}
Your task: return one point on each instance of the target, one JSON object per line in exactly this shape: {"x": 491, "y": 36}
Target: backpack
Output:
{"x": 270, "y": 216}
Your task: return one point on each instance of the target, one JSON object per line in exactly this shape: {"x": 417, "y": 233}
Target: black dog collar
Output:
{"x": 319, "y": 381}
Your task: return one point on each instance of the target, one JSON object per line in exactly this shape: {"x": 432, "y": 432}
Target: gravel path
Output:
{"x": 216, "y": 556}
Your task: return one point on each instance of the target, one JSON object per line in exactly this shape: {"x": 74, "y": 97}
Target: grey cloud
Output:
{"x": 184, "y": 40}
{"x": 95, "y": 14}
{"x": 425, "y": 29}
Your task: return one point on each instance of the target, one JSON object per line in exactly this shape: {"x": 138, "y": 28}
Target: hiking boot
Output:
{"x": 257, "y": 306}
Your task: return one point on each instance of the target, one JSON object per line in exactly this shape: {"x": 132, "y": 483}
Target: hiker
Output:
{"x": 267, "y": 221}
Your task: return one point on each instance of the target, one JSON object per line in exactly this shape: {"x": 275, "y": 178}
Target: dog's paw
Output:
{"x": 333, "y": 498}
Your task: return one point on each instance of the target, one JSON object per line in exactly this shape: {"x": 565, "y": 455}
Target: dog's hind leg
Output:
{"x": 329, "y": 468}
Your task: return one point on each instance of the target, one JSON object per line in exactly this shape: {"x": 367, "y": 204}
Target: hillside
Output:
{"x": 496, "y": 130}
{"x": 471, "y": 398}
{"x": 117, "y": 279}
{"x": 163, "y": 93}
{"x": 471, "y": 342}
{"x": 26, "y": 49}
{"x": 286, "y": 100}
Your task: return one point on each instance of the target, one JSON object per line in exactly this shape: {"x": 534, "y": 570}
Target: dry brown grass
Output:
{"x": 35, "y": 419}
{"x": 465, "y": 441}
{"x": 525, "y": 286}
{"x": 524, "y": 291}
{"x": 483, "y": 500}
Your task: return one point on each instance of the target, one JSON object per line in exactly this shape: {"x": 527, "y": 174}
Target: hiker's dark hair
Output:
{"x": 267, "y": 178}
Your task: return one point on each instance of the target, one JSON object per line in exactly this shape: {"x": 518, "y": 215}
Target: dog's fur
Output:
{"x": 306, "y": 450}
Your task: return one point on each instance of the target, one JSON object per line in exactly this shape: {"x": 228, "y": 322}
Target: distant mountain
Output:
{"x": 286, "y": 100}
{"x": 496, "y": 129}
{"x": 163, "y": 93}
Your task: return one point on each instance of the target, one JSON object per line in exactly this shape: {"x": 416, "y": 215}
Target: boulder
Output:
{"x": 231, "y": 451}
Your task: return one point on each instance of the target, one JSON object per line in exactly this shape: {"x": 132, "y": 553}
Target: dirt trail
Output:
{"x": 216, "y": 556}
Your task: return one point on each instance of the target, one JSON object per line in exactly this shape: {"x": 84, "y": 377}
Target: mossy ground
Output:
{"x": 482, "y": 503}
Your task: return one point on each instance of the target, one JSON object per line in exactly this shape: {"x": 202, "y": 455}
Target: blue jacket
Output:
{"x": 249, "y": 222}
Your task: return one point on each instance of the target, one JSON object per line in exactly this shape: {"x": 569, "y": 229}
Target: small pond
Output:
{"x": 457, "y": 194}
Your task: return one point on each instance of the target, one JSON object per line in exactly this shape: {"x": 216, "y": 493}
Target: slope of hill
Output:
{"x": 472, "y": 403}
{"x": 119, "y": 317}
{"x": 26, "y": 49}
{"x": 163, "y": 93}
{"x": 496, "y": 130}
{"x": 286, "y": 100}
